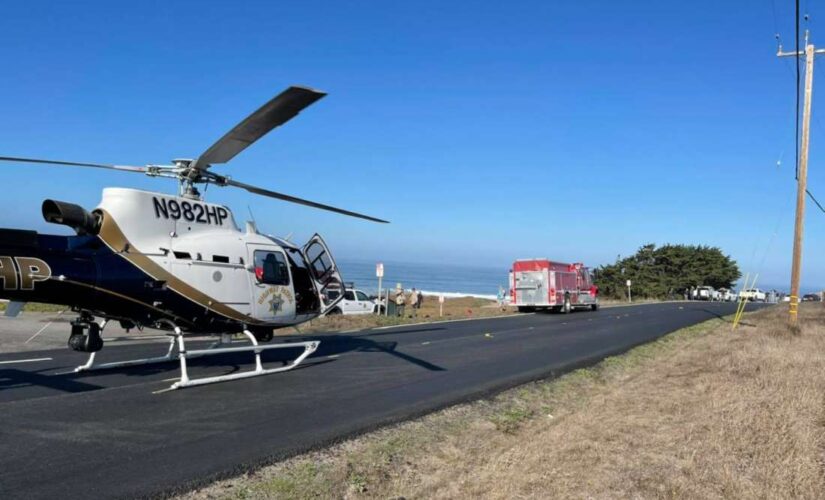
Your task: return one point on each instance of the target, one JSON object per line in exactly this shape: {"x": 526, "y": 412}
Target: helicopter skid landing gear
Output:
{"x": 90, "y": 364}
{"x": 183, "y": 355}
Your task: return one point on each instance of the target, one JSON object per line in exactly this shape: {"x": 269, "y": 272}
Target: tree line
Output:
{"x": 667, "y": 271}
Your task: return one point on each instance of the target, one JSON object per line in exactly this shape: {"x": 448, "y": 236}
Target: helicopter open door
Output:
{"x": 324, "y": 273}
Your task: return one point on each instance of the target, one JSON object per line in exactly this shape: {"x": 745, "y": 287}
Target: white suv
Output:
{"x": 355, "y": 302}
{"x": 753, "y": 294}
{"x": 705, "y": 293}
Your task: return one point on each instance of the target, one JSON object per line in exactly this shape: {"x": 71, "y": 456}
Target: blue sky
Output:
{"x": 484, "y": 131}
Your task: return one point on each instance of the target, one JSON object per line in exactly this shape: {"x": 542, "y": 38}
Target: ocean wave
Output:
{"x": 456, "y": 295}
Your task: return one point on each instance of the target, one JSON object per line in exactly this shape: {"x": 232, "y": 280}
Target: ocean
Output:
{"x": 431, "y": 279}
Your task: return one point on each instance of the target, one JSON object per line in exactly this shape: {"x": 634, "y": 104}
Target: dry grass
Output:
{"x": 37, "y": 307}
{"x": 702, "y": 413}
{"x": 455, "y": 308}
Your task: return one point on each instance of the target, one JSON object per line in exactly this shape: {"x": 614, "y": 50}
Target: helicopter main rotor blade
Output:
{"x": 277, "y": 111}
{"x": 300, "y": 201}
{"x": 124, "y": 168}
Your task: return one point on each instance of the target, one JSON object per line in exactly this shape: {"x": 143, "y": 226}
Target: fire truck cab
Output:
{"x": 544, "y": 284}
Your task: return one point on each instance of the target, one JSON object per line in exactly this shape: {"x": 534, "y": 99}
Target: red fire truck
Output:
{"x": 544, "y": 284}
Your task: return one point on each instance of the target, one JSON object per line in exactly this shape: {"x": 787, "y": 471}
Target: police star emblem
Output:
{"x": 276, "y": 303}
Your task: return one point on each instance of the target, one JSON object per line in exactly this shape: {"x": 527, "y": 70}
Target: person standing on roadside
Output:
{"x": 399, "y": 302}
{"x": 414, "y": 303}
{"x": 420, "y": 299}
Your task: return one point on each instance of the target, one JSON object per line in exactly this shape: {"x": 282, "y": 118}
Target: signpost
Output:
{"x": 379, "y": 273}
{"x": 440, "y": 306}
{"x": 629, "y": 299}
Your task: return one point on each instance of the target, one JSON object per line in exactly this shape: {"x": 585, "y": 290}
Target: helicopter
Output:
{"x": 177, "y": 262}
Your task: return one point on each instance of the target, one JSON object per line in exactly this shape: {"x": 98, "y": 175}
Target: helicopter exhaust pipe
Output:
{"x": 69, "y": 214}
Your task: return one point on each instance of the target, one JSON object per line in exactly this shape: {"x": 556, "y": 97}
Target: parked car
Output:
{"x": 753, "y": 295}
{"x": 705, "y": 293}
{"x": 726, "y": 295}
{"x": 355, "y": 302}
{"x": 811, "y": 297}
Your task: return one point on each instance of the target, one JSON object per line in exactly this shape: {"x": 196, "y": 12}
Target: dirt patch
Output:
{"x": 702, "y": 413}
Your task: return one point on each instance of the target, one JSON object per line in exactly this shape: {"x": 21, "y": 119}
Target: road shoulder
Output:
{"x": 702, "y": 412}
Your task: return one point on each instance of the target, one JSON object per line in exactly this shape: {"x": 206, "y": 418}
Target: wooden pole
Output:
{"x": 802, "y": 188}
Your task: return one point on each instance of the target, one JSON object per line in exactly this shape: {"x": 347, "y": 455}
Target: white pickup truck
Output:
{"x": 355, "y": 302}
{"x": 753, "y": 295}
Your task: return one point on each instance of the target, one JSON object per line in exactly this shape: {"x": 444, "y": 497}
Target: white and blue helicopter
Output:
{"x": 177, "y": 262}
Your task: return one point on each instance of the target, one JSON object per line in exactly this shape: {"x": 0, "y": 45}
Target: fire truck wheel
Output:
{"x": 595, "y": 307}
{"x": 566, "y": 308}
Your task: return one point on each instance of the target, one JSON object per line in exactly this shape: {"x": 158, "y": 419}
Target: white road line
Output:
{"x": 447, "y": 321}
{"x": 42, "y": 329}
{"x": 32, "y": 360}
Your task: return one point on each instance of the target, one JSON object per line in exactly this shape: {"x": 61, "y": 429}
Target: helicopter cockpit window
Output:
{"x": 320, "y": 262}
{"x": 271, "y": 268}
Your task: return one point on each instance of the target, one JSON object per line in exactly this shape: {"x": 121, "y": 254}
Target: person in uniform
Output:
{"x": 399, "y": 302}
{"x": 414, "y": 303}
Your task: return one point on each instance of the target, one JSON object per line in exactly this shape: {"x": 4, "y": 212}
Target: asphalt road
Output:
{"x": 111, "y": 434}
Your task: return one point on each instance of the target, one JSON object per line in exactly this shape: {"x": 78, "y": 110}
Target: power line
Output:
{"x": 796, "y": 42}
{"x": 810, "y": 195}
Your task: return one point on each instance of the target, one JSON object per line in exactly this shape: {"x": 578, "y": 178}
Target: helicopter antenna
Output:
{"x": 251, "y": 215}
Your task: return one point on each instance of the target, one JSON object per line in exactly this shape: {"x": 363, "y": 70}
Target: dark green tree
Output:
{"x": 667, "y": 271}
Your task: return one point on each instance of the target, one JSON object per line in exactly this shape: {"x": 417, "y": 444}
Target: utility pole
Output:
{"x": 802, "y": 181}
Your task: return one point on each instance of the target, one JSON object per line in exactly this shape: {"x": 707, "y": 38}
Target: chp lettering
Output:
{"x": 21, "y": 273}
{"x": 190, "y": 211}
